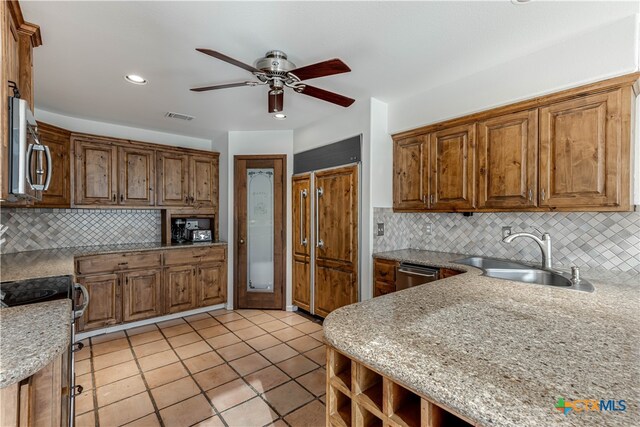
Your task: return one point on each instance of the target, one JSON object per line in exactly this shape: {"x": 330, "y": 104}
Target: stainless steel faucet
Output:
{"x": 544, "y": 243}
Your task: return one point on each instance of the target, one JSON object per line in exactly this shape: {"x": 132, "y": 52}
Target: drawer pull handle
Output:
{"x": 78, "y": 389}
{"x": 79, "y": 347}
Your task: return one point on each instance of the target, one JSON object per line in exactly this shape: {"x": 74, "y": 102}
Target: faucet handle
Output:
{"x": 575, "y": 274}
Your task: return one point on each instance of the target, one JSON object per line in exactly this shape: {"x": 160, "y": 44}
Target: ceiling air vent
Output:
{"x": 179, "y": 116}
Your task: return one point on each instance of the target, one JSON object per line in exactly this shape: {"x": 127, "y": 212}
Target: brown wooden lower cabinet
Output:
{"x": 180, "y": 286}
{"x": 149, "y": 284}
{"x": 40, "y": 400}
{"x": 142, "y": 296}
{"x": 105, "y": 308}
{"x": 359, "y": 396}
{"x": 211, "y": 284}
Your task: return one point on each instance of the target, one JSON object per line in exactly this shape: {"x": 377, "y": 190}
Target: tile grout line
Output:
{"x": 225, "y": 362}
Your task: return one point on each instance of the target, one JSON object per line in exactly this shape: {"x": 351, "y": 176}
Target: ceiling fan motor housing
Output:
{"x": 275, "y": 62}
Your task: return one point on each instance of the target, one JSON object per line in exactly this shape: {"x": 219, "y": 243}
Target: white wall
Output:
{"x": 221, "y": 145}
{"x": 118, "y": 131}
{"x": 598, "y": 54}
{"x": 259, "y": 142}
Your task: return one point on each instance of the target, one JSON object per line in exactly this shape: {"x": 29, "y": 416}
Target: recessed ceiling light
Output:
{"x": 135, "y": 79}
{"x": 279, "y": 116}
{"x": 519, "y": 2}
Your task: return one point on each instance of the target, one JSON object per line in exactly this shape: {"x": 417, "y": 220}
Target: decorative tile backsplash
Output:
{"x": 33, "y": 229}
{"x": 587, "y": 239}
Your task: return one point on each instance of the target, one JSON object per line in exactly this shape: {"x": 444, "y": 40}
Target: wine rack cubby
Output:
{"x": 359, "y": 396}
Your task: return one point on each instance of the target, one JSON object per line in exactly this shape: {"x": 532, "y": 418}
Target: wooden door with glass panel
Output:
{"x": 260, "y": 206}
{"x": 336, "y": 252}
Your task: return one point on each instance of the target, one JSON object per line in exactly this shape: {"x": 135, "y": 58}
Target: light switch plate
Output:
{"x": 427, "y": 229}
{"x": 380, "y": 229}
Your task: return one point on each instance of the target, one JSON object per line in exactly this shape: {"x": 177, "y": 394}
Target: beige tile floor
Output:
{"x": 240, "y": 368}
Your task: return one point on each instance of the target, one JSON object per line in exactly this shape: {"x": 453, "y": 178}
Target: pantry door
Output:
{"x": 259, "y": 231}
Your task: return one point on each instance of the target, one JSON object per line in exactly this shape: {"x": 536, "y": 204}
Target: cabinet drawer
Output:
{"x": 193, "y": 255}
{"x": 116, "y": 262}
{"x": 383, "y": 288}
{"x": 385, "y": 270}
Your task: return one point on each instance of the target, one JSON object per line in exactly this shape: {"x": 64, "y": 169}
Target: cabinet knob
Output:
{"x": 114, "y": 197}
{"x": 122, "y": 197}
{"x": 542, "y": 193}
{"x": 241, "y": 241}
{"x": 530, "y": 195}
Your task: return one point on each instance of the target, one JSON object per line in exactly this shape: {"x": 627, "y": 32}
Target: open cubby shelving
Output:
{"x": 361, "y": 397}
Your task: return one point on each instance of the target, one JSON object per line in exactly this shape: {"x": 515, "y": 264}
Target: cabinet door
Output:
{"x": 410, "y": 166}
{"x": 96, "y": 179}
{"x": 580, "y": 152}
{"x": 452, "y": 175}
{"x": 179, "y": 283}
{"x": 508, "y": 161}
{"x": 203, "y": 181}
{"x": 137, "y": 172}
{"x": 336, "y": 255}
{"x": 211, "y": 284}
{"x": 105, "y": 307}
{"x": 173, "y": 172}
{"x": 142, "y": 296}
{"x": 59, "y": 192}
{"x": 301, "y": 208}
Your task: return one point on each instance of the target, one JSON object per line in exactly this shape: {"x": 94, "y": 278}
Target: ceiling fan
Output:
{"x": 275, "y": 71}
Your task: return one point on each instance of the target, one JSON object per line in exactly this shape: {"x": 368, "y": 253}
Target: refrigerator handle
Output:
{"x": 303, "y": 196}
{"x": 319, "y": 193}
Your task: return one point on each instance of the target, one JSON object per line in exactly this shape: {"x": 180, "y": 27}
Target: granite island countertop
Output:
{"x": 500, "y": 352}
{"x": 59, "y": 262}
{"x": 31, "y": 336}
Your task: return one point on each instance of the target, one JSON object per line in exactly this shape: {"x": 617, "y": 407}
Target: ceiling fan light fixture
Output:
{"x": 135, "y": 79}
{"x": 280, "y": 116}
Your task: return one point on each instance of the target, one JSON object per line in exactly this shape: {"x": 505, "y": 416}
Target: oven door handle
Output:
{"x": 85, "y": 300}
{"x": 415, "y": 273}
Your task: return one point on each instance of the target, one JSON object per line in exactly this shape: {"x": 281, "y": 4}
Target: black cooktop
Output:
{"x": 35, "y": 290}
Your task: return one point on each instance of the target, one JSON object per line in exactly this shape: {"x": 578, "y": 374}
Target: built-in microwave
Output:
{"x": 29, "y": 161}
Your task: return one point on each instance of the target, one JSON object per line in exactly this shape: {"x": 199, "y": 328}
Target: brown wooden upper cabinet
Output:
{"x": 410, "y": 177}
{"x": 581, "y": 142}
{"x": 59, "y": 193}
{"x": 137, "y": 176}
{"x": 96, "y": 172}
{"x": 173, "y": 178}
{"x": 452, "y": 157}
{"x": 187, "y": 180}
{"x": 568, "y": 151}
{"x": 508, "y": 161}
{"x": 203, "y": 181}
{"x": 113, "y": 172}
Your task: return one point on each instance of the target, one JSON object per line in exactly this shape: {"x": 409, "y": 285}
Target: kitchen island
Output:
{"x": 486, "y": 351}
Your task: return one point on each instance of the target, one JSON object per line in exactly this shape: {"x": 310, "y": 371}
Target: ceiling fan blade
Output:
{"x": 206, "y": 88}
{"x": 321, "y": 69}
{"x": 228, "y": 59}
{"x": 276, "y": 101}
{"x": 325, "y": 95}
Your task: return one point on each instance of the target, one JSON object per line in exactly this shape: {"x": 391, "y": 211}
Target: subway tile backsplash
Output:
{"x": 587, "y": 239}
{"x": 34, "y": 229}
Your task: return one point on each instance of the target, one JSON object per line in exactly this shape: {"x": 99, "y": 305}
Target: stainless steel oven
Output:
{"x": 30, "y": 165}
{"x": 410, "y": 275}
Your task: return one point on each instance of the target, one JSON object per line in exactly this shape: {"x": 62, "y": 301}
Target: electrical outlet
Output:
{"x": 506, "y": 232}
{"x": 427, "y": 229}
{"x": 381, "y": 229}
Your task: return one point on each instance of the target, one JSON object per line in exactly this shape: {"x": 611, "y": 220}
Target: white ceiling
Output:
{"x": 394, "y": 49}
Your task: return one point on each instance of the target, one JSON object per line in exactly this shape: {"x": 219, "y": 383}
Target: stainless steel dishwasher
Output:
{"x": 410, "y": 275}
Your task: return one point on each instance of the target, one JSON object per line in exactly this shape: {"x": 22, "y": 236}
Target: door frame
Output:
{"x": 282, "y": 263}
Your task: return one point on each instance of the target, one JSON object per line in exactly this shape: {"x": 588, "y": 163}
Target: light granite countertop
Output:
{"x": 499, "y": 352}
{"x": 31, "y": 336}
{"x": 59, "y": 262}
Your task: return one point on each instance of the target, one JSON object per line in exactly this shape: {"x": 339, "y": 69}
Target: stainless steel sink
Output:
{"x": 485, "y": 263}
{"x": 541, "y": 277}
{"x": 509, "y": 270}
